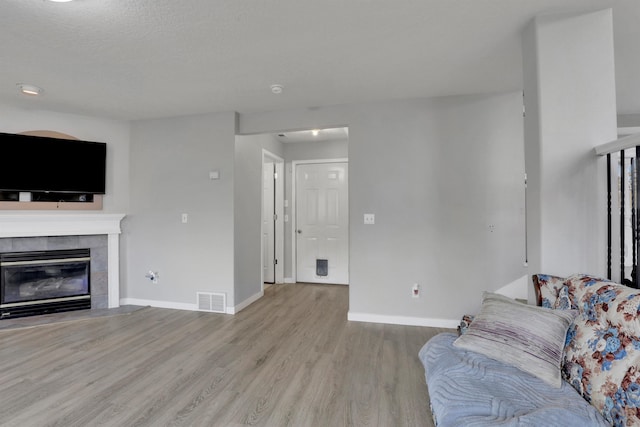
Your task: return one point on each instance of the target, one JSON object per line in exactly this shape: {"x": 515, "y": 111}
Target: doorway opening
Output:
{"x": 272, "y": 218}
{"x": 321, "y": 238}
{"x": 284, "y": 153}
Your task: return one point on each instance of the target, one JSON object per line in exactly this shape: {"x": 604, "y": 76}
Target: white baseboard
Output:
{"x": 185, "y": 306}
{"x": 159, "y": 304}
{"x": 246, "y": 303}
{"x": 354, "y": 317}
{"x": 289, "y": 280}
{"x": 403, "y": 320}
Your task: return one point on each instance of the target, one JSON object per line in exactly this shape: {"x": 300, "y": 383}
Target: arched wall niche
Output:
{"x": 48, "y": 134}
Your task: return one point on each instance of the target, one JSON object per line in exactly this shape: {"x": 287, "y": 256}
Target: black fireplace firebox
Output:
{"x": 40, "y": 282}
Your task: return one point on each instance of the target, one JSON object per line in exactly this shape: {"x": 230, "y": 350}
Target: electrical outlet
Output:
{"x": 369, "y": 219}
{"x": 415, "y": 291}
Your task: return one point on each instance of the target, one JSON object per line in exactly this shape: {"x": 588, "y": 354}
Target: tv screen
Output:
{"x": 41, "y": 164}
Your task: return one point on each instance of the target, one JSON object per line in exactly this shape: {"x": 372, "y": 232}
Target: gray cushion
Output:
{"x": 469, "y": 389}
{"x": 528, "y": 337}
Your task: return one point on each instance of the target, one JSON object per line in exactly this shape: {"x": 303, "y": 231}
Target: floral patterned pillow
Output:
{"x": 549, "y": 287}
{"x": 602, "y": 350}
{"x": 466, "y": 320}
{"x": 564, "y": 302}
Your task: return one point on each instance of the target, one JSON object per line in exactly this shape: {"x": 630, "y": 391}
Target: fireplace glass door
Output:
{"x": 44, "y": 278}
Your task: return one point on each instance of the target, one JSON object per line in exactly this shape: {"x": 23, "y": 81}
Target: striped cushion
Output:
{"x": 528, "y": 337}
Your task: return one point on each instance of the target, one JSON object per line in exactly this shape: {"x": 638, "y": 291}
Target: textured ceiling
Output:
{"x": 156, "y": 58}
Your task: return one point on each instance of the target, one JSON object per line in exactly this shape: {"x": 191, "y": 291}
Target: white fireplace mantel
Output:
{"x": 84, "y": 224}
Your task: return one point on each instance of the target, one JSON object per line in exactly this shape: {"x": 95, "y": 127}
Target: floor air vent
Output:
{"x": 212, "y": 302}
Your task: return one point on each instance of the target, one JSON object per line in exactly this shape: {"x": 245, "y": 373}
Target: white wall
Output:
{"x": 334, "y": 149}
{"x": 436, "y": 172}
{"x": 569, "y": 84}
{"x": 443, "y": 176}
{"x": 171, "y": 160}
{"x": 248, "y": 212}
{"x": 114, "y": 132}
{"x": 445, "y": 180}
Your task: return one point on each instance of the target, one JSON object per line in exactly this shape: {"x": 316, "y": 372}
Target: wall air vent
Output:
{"x": 212, "y": 302}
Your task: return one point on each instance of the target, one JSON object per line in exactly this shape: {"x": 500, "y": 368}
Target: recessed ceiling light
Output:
{"x": 277, "y": 89}
{"x": 30, "y": 89}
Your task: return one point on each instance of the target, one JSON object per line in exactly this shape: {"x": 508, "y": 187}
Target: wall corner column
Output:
{"x": 569, "y": 93}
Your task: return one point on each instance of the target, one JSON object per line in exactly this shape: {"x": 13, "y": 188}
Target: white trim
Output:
{"x": 279, "y": 235}
{"x": 279, "y": 207}
{"x": 629, "y": 141}
{"x": 246, "y": 303}
{"x": 37, "y": 225}
{"x": 113, "y": 270}
{"x": 403, "y": 320}
{"x": 187, "y": 306}
{"x": 294, "y": 218}
{"x": 314, "y": 161}
{"x": 159, "y": 304}
{"x": 289, "y": 280}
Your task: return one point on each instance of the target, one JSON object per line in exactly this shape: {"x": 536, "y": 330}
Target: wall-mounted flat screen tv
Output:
{"x": 42, "y": 164}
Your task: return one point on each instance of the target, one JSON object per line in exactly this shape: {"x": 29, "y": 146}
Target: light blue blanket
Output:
{"x": 469, "y": 389}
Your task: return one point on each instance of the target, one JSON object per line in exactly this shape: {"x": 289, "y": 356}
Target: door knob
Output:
{"x": 299, "y": 231}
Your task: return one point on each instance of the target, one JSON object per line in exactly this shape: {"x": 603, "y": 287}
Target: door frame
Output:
{"x": 294, "y": 215}
{"x": 279, "y": 211}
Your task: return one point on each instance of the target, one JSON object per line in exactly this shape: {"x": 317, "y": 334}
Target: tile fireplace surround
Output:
{"x": 50, "y": 225}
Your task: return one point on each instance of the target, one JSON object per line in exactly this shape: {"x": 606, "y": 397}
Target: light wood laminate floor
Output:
{"x": 290, "y": 359}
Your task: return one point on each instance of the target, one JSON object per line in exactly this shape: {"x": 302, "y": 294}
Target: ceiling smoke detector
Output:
{"x": 29, "y": 89}
{"x": 277, "y": 89}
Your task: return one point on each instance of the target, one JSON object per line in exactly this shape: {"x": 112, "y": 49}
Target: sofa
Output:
{"x": 572, "y": 360}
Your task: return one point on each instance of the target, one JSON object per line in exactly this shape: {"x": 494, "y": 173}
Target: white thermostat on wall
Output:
{"x": 215, "y": 174}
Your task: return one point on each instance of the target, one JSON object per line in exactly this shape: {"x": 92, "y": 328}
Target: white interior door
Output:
{"x": 322, "y": 223}
{"x": 268, "y": 222}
